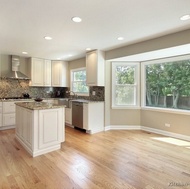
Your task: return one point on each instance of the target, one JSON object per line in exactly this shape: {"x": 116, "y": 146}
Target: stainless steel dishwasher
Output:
{"x": 77, "y": 114}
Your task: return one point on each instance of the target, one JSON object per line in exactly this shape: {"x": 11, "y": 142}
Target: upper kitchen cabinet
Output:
{"x": 59, "y": 73}
{"x": 95, "y": 68}
{"x": 47, "y": 72}
{"x": 40, "y": 72}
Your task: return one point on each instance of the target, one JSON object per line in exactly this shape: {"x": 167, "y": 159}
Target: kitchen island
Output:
{"x": 40, "y": 127}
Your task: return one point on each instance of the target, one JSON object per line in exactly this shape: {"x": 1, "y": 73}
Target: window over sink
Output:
{"x": 78, "y": 82}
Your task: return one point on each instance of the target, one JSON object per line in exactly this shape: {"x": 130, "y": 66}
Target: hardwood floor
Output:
{"x": 107, "y": 160}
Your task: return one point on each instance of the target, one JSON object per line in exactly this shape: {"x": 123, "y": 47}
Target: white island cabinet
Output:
{"x": 40, "y": 128}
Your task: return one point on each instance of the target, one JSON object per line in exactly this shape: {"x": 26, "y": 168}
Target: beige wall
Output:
{"x": 179, "y": 123}
{"x": 129, "y": 117}
{"x": 171, "y": 40}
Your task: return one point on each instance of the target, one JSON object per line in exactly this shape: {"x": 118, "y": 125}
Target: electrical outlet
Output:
{"x": 167, "y": 125}
{"x": 94, "y": 93}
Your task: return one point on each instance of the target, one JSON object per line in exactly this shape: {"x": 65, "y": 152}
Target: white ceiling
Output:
{"x": 24, "y": 23}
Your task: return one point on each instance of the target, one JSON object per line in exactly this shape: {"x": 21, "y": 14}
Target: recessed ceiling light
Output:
{"x": 76, "y": 19}
{"x": 88, "y": 49}
{"x": 48, "y": 38}
{"x": 58, "y": 58}
{"x": 185, "y": 17}
{"x": 24, "y": 52}
{"x": 70, "y": 55}
{"x": 120, "y": 38}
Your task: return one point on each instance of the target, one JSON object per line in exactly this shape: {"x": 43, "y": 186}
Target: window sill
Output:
{"x": 168, "y": 110}
{"x": 127, "y": 107}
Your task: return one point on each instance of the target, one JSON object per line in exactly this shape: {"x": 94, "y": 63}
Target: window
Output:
{"x": 125, "y": 84}
{"x": 167, "y": 83}
{"x": 78, "y": 81}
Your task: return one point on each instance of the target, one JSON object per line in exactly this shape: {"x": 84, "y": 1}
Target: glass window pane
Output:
{"x": 125, "y": 74}
{"x": 79, "y": 75}
{"x": 125, "y": 95}
{"x": 168, "y": 85}
{"x": 80, "y": 87}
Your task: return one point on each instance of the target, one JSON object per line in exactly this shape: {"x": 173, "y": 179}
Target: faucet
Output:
{"x": 75, "y": 95}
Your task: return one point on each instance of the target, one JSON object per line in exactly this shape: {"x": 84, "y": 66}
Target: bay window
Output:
{"x": 167, "y": 83}
{"x": 125, "y": 84}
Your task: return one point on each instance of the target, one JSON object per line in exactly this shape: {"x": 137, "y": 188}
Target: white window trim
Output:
{"x": 137, "y": 76}
{"x": 71, "y": 81}
{"x": 143, "y": 86}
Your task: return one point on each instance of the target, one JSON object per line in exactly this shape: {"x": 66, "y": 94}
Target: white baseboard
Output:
{"x": 7, "y": 127}
{"x": 148, "y": 129}
{"x": 166, "y": 133}
{"x": 122, "y": 127}
{"x": 95, "y": 130}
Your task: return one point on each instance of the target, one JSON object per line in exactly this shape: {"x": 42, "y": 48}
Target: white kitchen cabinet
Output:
{"x": 40, "y": 72}
{"x": 68, "y": 116}
{"x": 24, "y": 125}
{"x": 8, "y": 113}
{"x": 40, "y": 131}
{"x": 1, "y": 111}
{"x": 95, "y": 63}
{"x": 47, "y": 72}
{"x": 93, "y": 117}
{"x": 59, "y": 74}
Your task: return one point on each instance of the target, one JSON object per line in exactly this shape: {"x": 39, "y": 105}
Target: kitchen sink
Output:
{"x": 65, "y": 101}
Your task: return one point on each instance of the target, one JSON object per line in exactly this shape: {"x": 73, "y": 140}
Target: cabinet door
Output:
{"x": 8, "y": 107}
{"x": 85, "y": 117}
{"x": 59, "y": 74}
{"x": 19, "y": 122}
{"x": 51, "y": 127}
{"x": 68, "y": 116}
{"x": 1, "y": 111}
{"x": 37, "y": 72}
{"x": 1, "y": 122}
{"x": 47, "y": 73}
{"x": 91, "y": 68}
{"x": 9, "y": 119}
{"x": 27, "y": 127}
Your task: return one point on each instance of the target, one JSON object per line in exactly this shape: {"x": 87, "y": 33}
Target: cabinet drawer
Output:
{"x": 8, "y": 119}
{"x": 8, "y": 107}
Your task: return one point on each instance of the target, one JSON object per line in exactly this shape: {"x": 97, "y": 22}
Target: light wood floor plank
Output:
{"x": 106, "y": 160}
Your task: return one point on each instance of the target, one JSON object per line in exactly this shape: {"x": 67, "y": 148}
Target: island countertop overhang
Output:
{"x": 39, "y": 106}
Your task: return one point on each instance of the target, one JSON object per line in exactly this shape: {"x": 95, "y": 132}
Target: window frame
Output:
{"x": 143, "y": 85}
{"x": 71, "y": 81}
{"x": 137, "y": 85}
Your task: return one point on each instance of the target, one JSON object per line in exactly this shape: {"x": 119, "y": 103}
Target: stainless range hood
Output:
{"x": 15, "y": 73}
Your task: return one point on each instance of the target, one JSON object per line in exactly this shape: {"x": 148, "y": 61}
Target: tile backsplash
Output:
{"x": 16, "y": 88}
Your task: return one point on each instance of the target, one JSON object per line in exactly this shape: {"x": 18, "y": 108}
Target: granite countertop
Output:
{"x": 86, "y": 101}
{"x": 38, "y": 105}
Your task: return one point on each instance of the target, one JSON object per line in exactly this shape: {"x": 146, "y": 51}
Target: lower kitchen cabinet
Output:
{"x": 93, "y": 117}
{"x": 8, "y": 109}
{"x": 7, "y": 114}
{"x": 1, "y": 107}
{"x": 68, "y": 116}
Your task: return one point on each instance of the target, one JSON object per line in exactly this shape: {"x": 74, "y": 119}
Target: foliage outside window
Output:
{"x": 125, "y": 84}
{"x": 168, "y": 84}
{"x": 78, "y": 81}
